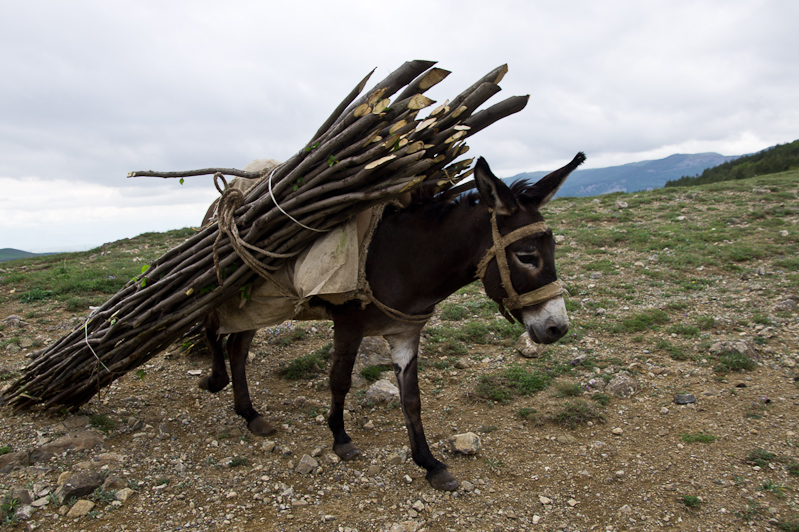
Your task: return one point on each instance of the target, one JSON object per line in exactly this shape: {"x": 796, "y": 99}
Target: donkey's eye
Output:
{"x": 531, "y": 258}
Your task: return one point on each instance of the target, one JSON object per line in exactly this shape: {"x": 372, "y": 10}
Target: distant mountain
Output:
{"x": 12, "y": 254}
{"x": 644, "y": 175}
{"x": 779, "y": 158}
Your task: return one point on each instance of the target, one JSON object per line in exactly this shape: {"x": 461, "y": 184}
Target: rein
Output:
{"x": 498, "y": 251}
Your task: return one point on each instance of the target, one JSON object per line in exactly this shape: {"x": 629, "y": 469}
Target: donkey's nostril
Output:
{"x": 556, "y": 330}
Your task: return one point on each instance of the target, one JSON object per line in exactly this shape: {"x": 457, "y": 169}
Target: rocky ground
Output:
{"x": 641, "y": 427}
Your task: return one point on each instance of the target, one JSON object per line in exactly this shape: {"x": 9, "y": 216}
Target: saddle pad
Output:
{"x": 327, "y": 269}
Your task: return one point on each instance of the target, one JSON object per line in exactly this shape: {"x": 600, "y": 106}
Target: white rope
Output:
{"x": 287, "y": 214}
{"x": 86, "y": 336}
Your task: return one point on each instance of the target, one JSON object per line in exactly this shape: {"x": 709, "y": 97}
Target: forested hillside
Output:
{"x": 779, "y": 158}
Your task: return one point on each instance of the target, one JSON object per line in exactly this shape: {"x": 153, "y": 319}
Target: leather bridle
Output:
{"x": 514, "y": 300}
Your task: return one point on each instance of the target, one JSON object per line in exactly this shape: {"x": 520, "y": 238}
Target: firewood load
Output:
{"x": 373, "y": 149}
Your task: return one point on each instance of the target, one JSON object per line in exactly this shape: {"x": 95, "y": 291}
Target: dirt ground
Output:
{"x": 185, "y": 461}
{"x": 178, "y": 447}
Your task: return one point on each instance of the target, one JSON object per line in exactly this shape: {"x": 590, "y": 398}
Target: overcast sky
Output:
{"x": 94, "y": 89}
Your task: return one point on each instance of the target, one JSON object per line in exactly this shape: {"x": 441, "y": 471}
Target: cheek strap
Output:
{"x": 498, "y": 251}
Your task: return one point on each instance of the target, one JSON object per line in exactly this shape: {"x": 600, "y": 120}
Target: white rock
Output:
{"x": 468, "y": 443}
{"x": 382, "y": 391}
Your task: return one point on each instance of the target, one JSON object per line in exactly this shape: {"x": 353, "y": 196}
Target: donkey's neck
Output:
{"x": 418, "y": 259}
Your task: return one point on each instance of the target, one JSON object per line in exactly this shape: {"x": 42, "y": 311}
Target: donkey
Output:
{"x": 419, "y": 255}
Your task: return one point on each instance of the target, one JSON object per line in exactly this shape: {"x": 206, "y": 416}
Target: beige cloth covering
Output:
{"x": 328, "y": 269}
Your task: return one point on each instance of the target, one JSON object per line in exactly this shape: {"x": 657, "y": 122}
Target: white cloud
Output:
{"x": 96, "y": 89}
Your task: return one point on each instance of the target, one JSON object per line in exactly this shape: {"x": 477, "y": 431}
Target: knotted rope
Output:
{"x": 230, "y": 200}
{"x": 365, "y": 289}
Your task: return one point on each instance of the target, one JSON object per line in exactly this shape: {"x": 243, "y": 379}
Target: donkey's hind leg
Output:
{"x": 237, "y": 347}
{"x": 218, "y": 378}
{"x": 346, "y": 341}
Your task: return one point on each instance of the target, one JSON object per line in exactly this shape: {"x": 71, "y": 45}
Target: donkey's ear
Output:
{"x": 493, "y": 191}
{"x": 548, "y": 186}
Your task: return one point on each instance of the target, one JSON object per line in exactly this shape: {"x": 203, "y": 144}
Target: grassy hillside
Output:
{"x": 79, "y": 280}
{"x": 13, "y": 254}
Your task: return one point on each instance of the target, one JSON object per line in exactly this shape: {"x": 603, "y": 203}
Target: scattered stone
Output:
{"x": 743, "y": 347}
{"x": 468, "y": 443}
{"x": 544, "y": 500}
{"x": 529, "y": 349}
{"x": 124, "y": 494}
{"x": 77, "y": 441}
{"x": 114, "y": 483}
{"x": 618, "y": 431}
{"x": 24, "y": 512}
{"x": 463, "y": 363}
{"x": 684, "y": 399}
{"x": 621, "y": 204}
{"x": 418, "y": 506}
{"x": 572, "y": 503}
{"x": 22, "y": 495}
{"x": 579, "y": 360}
{"x": 626, "y": 509}
{"x": 80, "y": 508}
{"x": 79, "y": 485}
{"x": 566, "y": 439}
{"x": 11, "y": 461}
{"x": 664, "y": 410}
{"x": 382, "y": 392}
{"x": 374, "y": 351}
{"x": 467, "y": 486}
{"x": 786, "y": 305}
{"x": 14, "y": 321}
{"x": 622, "y": 385}
{"x": 307, "y": 465}
{"x": 40, "y": 503}
{"x": 394, "y": 459}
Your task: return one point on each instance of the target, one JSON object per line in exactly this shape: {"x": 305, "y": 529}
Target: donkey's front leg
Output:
{"x": 404, "y": 355}
{"x": 238, "y": 347}
{"x": 346, "y": 341}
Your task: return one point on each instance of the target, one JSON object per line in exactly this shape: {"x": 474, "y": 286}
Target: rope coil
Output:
{"x": 231, "y": 199}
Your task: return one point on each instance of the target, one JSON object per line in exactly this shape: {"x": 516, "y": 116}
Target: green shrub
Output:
{"x": 577, "y": 413}
{"x": 643, "y": 321}
{"x": 734, "y": 361}
{"x": 699, "y": 437}
{"x": 691, "y": 501}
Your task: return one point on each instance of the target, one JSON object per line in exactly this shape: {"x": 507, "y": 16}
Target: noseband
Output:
{"x": 498, "y": 251}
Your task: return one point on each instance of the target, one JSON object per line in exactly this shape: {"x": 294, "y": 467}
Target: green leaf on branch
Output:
{"x": 313, "y": 147}
{"x": 141, "y": 374}
{"x": 181, "y": 180}
{"x": 331, "y": 160}
{"x": 245, "y": 293}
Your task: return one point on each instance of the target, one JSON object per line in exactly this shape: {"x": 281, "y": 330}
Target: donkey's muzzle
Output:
{"x": 554, "y": 330}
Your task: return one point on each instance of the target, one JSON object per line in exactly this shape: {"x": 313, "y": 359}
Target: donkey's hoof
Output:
{"x": 346, "y": 451}
{"x": 207, "y": 384}
{"x": 261, "y": 427}
{"x": 442, "y": 480}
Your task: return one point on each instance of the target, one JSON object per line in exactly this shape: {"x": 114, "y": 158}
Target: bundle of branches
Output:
{"x": 370, "y": 150}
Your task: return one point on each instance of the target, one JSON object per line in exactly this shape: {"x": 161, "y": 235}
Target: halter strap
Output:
{"x": 497, "y": 251}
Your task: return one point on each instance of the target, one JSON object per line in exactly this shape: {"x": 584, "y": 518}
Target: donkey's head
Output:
{"x": 518, "y": 270}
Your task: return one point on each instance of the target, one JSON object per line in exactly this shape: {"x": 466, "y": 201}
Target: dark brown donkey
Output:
{"x": 420, "y": 255}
